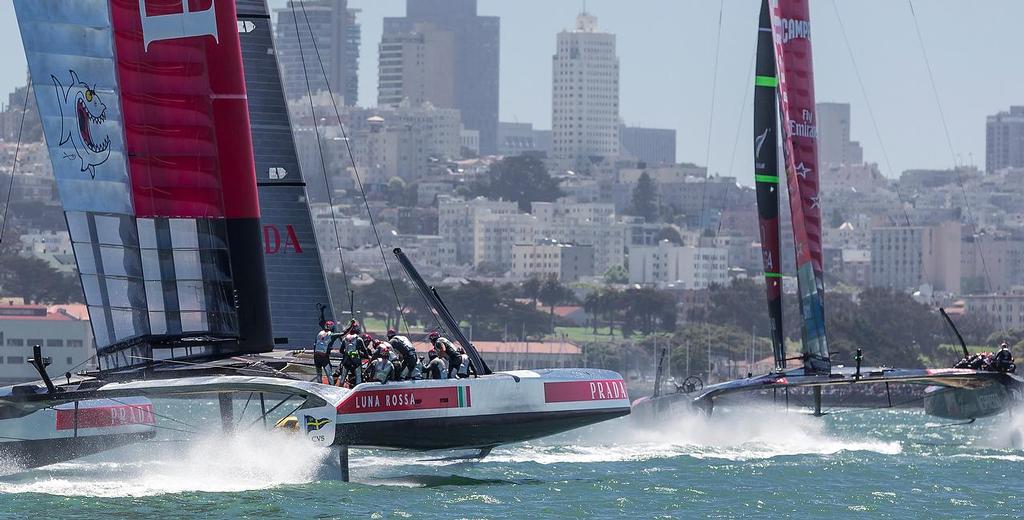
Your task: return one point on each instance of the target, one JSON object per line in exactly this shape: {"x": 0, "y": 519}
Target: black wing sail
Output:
{"x": 295, "y": 276}
{"x": 766, "y": 177}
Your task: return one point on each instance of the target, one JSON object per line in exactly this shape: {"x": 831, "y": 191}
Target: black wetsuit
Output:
{"x": 407, "y": 351}
{"x": 1003, "y": 361}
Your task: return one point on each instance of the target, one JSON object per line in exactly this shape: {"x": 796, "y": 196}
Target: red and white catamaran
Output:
{"x": 171, "y": 146}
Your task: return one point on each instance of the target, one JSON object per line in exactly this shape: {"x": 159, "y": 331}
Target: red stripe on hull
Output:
{"x": 369, "y": 401}
{"x": 570, "y": 391}
{"x": 106, "y": 417}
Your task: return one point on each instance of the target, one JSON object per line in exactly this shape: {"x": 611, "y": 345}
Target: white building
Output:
{"x": 62, "y": 330}
{"x": 687, "y": 267}
{"x": 566, "y": 262}
{"x": 584, "y": 95}
{"x": 457, "y": 221}
{"x": 494, "y": 236}
{"x": 593, "y": 224}
{"x": 906, "y": 257}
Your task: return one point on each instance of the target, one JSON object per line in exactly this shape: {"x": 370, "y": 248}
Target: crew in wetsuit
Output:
{"x": 446, "y": 350}
{"x": 435, "y": 369}
{"x": 406, "y": 350}
{"x": 1003, "y": 360}
{"x": 352, "y": 350}
{"x": 322, "y": 351}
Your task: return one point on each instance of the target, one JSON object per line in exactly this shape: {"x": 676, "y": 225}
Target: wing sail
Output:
{"x": 294, "y": 272}
{"x": 766, "y": 177}
{"x": 145, "y": 116}
{"x": 792, "y": 36}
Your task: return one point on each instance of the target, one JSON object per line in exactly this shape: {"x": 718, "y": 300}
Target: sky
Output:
{"x": 666, "y": 52}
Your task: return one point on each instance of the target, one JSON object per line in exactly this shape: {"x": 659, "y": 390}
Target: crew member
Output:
{"x": 382, "y": 367}
{"x": 404, "y": 348}
{"x": 352, "y": 350}
{"x": 464, "y": 363}
{"x": 1003, "y": 360}
{"x": 322, "y": 351}
{"x": 446, "y": 350}
{"x": 436, "y": 368}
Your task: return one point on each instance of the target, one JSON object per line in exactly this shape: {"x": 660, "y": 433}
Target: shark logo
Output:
{"x": 89, "y": 138}
{"x": 313, "y": 424}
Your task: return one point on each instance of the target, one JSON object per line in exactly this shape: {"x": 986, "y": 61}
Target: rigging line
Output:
{"x": 149, "y": 410}
{"x": 14, "y": 168}
{"x": 244, "y": 408}
{"x": 871, "y": 112}
{"x": 711, "y": 115}
{"x": 736, "y": 140}
{"x": 949, "y": 142}
{"x": 320, "y": 148}
{"x": 352, "y": 160}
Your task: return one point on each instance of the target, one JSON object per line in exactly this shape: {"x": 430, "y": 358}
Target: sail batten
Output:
{"x": 792, "y": 36}
{"x": 766, "y": 178}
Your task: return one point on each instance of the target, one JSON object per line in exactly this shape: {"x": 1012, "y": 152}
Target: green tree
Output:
{"x": 395, "y": 191}
{"x": 36, "y": 282}
{"x": 520, "y": 178}
{"x": 531, "y": 288}
{"x": 645, "y": 198}
{"x": 616, "y": 274}
{"x": 553, "y": 293}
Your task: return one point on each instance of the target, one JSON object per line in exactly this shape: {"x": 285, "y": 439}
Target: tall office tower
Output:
{"x": 417, "y": 67}
{"x": 834, "y": 144}
{"x": 1004, "y": 140}
{"x": 475, "y": 55}
{"x": 584, "y": 95}
{"x": 332, "y": 26}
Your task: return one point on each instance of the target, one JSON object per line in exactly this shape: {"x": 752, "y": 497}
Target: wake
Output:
{"x": 739, "y": 435}
{"x": 212, "y": 463}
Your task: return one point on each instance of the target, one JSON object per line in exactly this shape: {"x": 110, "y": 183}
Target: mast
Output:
{"x": 766, "y": 177}
{"x": 792, "y": 36}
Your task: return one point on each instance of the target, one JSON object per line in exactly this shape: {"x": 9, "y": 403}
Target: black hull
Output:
{"x": 467, "y": 432}
{"x": 43, "y": 452}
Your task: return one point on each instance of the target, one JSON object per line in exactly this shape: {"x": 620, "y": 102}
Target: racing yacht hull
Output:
{"x": 479, "y": 412}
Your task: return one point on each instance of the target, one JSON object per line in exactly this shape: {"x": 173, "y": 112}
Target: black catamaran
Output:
{"x": 175, "y": 164}
{"x": 784, "y": 76}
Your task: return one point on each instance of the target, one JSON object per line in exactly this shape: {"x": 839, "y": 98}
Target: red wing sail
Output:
{"x": 792, "y": 35}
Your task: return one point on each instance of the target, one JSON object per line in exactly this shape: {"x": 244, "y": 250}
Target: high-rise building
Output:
{"x": 584, "y": 95}
{"x": 834, "y": 144}
{"x": 1004, "y": 140}
{"x": 332, "y": 26}
{"x": 417, "y": 67}
{"x": 651, "y": 145}
{"x": 475, "y": 56}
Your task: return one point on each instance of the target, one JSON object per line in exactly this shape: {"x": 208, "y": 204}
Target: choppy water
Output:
{"x": 743, "y": 462}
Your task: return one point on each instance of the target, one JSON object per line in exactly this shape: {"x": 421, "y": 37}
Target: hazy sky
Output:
{"x": 666, "y": 54}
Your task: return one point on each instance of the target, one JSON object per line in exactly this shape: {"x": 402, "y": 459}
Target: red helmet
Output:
{"x": 391, "y": 333}
{"x": 434, "y": 335}
{"x": 356, "y": 329}
{"x": 367, "y": 337}
{"x": 329, "y": 324}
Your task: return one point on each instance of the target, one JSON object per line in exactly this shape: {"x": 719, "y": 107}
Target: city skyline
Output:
{"x": 671, "y": 87}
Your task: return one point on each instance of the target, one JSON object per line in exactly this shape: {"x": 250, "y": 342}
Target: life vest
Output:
{"x": 323, "y": 341}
